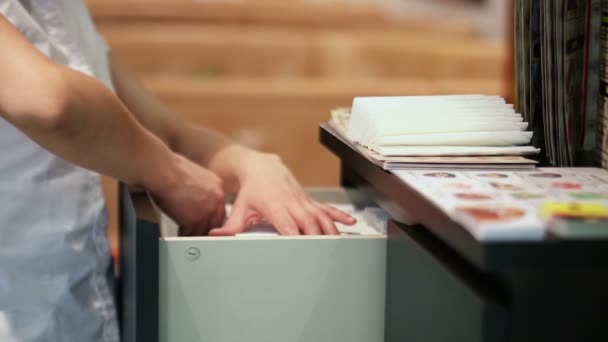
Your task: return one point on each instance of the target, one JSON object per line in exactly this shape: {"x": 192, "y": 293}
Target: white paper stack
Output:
{"x": 453, "y": 120}
{"x": 451, "y": 132}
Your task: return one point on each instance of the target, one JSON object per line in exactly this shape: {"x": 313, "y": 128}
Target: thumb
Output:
{"x": 236, "y": 222}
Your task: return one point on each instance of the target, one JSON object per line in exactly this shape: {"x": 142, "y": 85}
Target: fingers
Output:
{"x": 338, "y": 215}
{"x": 236, "y": 222}
{"x": 322, "y": 220}
{"x": 216, "y": 220}
{"x": 226, "y": 230}
{"x": 290, "y": 217}
{"x": 206, "y": 221}
{"x": 305, "y": 219}
{"x": 219, "y": 216}
{"x": 327, "y": 224}
{"x": 280, "y": 217}
{"x": 310, "y": 218}
{"x": 194, "y": 225}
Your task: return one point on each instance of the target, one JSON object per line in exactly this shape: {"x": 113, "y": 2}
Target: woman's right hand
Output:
{"x": 193, "y": 197}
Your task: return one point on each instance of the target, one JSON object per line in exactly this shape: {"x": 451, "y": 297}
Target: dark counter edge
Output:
{"x": 550, "y": 253}
{"x": 139, "y": 234}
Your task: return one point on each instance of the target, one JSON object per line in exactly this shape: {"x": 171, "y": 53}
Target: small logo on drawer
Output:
{"x": 192, "y": 254}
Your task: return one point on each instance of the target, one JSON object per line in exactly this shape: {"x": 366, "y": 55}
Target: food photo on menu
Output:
{"x": 499, "y": 206}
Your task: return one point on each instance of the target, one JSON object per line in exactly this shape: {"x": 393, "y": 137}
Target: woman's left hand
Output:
{"x": 268, "y": 191}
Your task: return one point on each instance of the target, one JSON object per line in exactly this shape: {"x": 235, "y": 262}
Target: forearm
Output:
{"x": 93, "y": 129}
{"x": 199, "y": 144}
{"x": 224, "y": 157}
{"x": 75, "y": 116}
{"x": 98, "y": 132}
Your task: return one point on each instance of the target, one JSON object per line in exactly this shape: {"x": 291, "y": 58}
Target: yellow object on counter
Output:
{"x": 573, "y": 209}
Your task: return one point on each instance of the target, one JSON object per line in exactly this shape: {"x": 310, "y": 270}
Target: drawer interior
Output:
{"x": 371, "y": 219}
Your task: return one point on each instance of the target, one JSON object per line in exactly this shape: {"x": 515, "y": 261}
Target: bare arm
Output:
{"x": 79, "y": 119}
{"x": 205, "y": 146}
{"x": 266, "y": 188}
{"x": 75, "y": 116}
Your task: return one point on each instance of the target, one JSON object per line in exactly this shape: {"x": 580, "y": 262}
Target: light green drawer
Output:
{"x": 273, "y": 289}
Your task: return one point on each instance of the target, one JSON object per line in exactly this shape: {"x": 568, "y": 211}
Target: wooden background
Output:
{"x": 266, "y": 72}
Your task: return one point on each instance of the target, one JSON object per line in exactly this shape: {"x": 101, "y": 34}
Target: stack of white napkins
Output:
{"x": 438, "y": 125}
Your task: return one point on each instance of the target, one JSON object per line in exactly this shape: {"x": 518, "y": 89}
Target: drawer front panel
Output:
{"x": 303, "y": 289}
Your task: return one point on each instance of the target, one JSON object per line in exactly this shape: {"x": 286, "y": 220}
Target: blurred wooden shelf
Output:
{"x": 226, "y": 50}
{"x": 341, "y": 88}
{"x": 283, "y": 13}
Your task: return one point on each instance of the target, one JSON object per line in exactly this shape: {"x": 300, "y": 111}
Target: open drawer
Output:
{"x": 401, "y": 286}
{"x": 270, "y": 288}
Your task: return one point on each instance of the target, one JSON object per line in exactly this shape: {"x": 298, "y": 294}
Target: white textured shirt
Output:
{"x": 54, "y": 253}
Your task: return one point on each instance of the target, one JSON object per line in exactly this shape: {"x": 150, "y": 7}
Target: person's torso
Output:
{"x": 53, "y": 250}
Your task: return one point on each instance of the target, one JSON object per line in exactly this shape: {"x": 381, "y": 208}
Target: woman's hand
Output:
{"x": 268, "y": 191}
{"x": 193, "y": 198}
